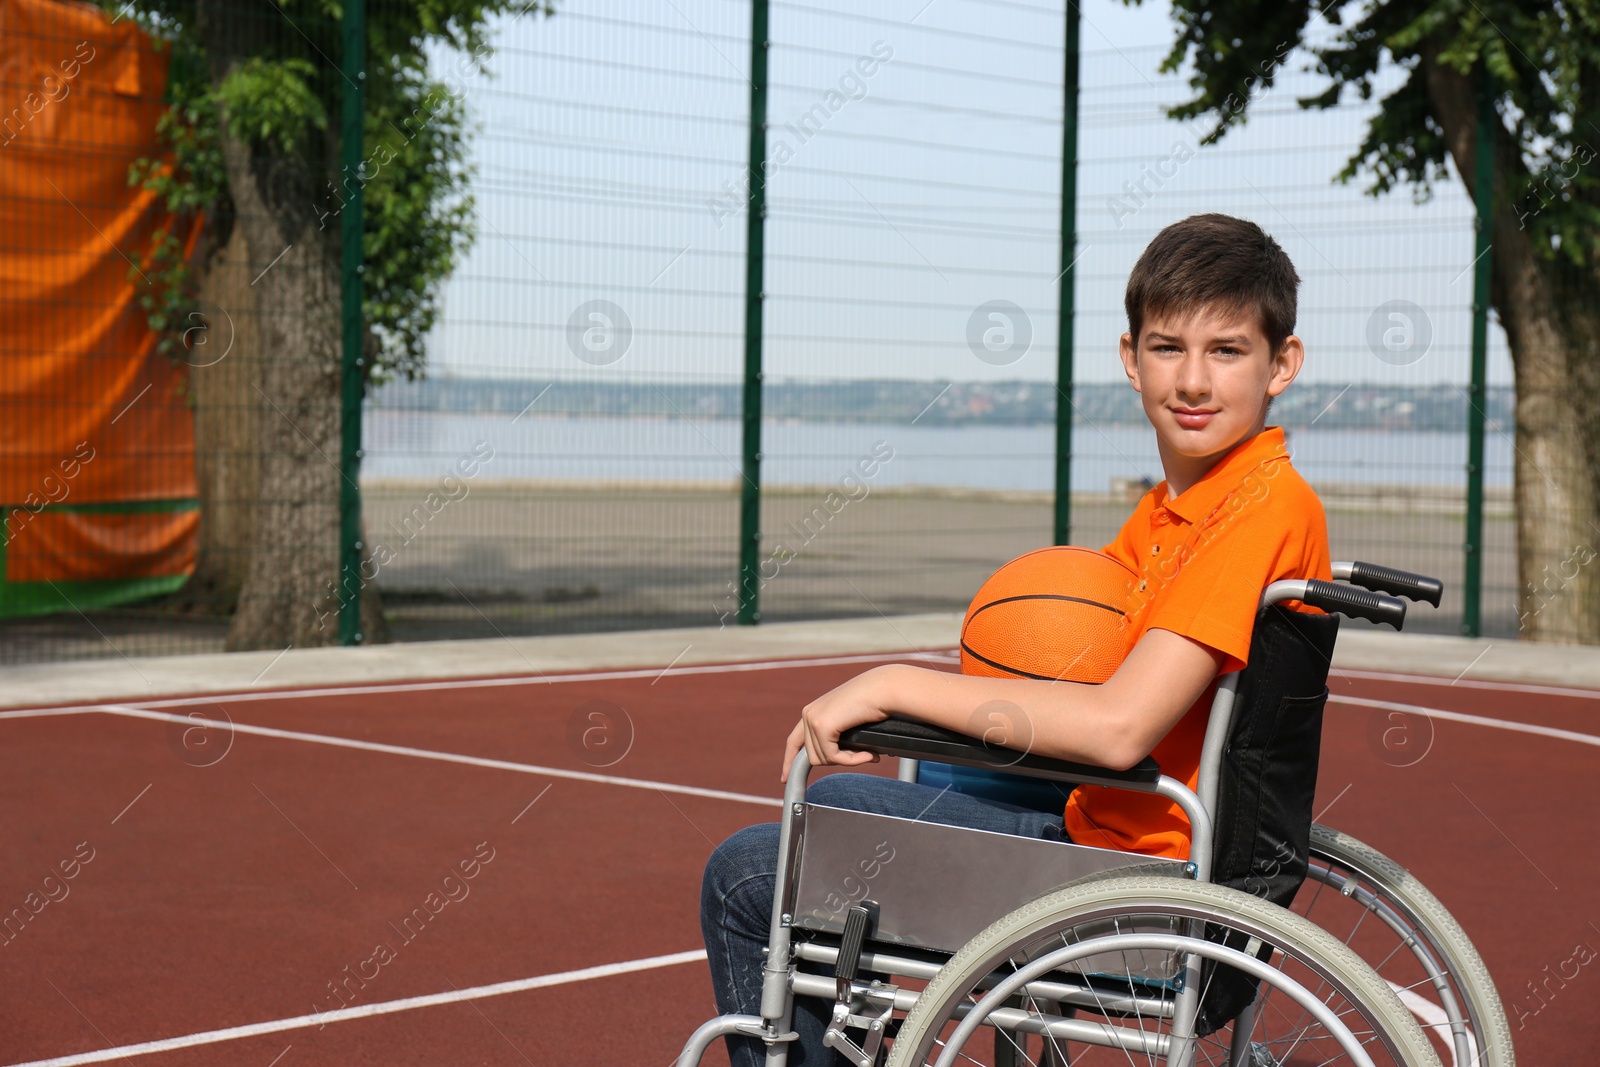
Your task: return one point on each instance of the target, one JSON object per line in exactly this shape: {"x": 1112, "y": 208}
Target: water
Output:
{"x": 428, "y": 444}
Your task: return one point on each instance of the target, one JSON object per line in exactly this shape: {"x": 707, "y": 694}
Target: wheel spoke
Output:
{"x": 1333, "y": 1002}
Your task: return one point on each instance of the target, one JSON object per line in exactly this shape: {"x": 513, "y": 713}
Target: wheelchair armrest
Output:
{"x": 895, "y": 736}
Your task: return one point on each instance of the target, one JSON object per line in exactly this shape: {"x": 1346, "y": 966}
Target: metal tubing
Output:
{"x": 1286, "y": 589}
{"x": 754, "y": 285}
{"x": 1199, "y": 823}
{"x": 989, "y": 1006}
{"x": 776, "y": 1000}
{"x": 352, "y": 364}
{"x": 1414, "y": 937}
{"x": 1102, "y": 1034}
{"x": 695, "y": 1048}
{"x": 1244, "y": 1025}
{"x": 1216, "y": 741}
{"x": 1078, "y": 996}
{"x": 1181, "y": 1051}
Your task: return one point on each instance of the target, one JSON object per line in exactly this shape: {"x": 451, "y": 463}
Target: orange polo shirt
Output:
{"x": 1203, "y": 559}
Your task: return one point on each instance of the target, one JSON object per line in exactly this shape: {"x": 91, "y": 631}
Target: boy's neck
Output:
{"x": 1182, "y": 472}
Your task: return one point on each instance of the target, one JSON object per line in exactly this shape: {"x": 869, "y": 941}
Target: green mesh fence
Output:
{"x": 555, "y": 444}
{"x": 1377, "y": 420}
{"x": 913, "y": 209}
{"x": 590, "y": 347}
{"x": 172, "y": 457}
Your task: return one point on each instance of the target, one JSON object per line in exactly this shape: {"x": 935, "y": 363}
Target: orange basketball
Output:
{"x": 1056, "y": 613}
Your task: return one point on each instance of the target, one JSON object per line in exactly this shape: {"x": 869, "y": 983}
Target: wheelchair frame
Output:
{"x": 914, "y": 954}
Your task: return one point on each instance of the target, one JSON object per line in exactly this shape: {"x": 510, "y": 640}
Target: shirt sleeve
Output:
{"x": 1213, "y": 590}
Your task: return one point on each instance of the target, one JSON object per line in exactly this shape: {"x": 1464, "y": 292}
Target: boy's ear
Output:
{"x": 1286, "y": 364}
{"x": 1130, "y": 360}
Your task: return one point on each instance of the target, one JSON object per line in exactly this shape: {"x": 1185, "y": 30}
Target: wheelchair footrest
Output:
{"x": 856, "y": 1011}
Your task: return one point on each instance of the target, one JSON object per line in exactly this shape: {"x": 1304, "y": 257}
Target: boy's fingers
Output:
{"x": 814, "y": 745}
{"x": 791, "y": 747}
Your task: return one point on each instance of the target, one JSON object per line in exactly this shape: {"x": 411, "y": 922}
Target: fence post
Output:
{"x": 755, "y": 229}
{"x": 1068, "y": 278}
{"x": 354, "y": 63}
{"x": 1477, "y": 393}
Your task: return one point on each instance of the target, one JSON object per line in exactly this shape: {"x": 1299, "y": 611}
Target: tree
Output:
{"x": 1539, "y": 62}
{"x": 256, "y": 92}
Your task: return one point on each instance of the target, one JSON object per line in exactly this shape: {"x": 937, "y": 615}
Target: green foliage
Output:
{"x": 418, "y": 220}
{"x": 271, "y": 102}
{"x": 1543, "y": 58}
{"x": 189, "y": 183}
{"x": 417, "y": 217}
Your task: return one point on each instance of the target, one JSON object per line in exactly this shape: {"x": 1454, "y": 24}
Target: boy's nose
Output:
{"x": 1193, "y": 382}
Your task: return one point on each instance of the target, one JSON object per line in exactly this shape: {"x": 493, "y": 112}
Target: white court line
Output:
{"x": 481, "y": 683}
{"x": 386, "y": 1007}
{"x": 39, "y": 713}
{"x": 1461, "y": 683}
{"x": 1476, "y": 720}
{"x": 443, "y": 757}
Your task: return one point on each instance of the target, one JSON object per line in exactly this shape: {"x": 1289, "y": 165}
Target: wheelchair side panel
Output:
{"x": 936, "y": 886}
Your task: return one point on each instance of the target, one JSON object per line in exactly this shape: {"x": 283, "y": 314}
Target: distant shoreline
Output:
{"x": 1438, "y": 408}
{"x": 698, "y": 449}
{"x": 1355, "y": 497}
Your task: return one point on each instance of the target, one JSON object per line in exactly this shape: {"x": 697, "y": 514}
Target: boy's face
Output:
{"x": 1204, "y": 379}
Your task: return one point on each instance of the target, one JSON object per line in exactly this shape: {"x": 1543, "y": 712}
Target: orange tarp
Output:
{"x": 66, "y": 546}
{"x": 80, "y": 94}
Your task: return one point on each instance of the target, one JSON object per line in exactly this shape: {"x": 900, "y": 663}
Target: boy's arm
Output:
{"x": 1114, "y": 725}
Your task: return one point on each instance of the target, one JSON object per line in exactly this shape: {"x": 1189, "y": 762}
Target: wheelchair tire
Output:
{"x": 1388, "y": 1032}
{"x": 1426, "y": 928}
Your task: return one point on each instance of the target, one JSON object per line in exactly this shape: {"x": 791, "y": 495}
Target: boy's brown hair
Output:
{"x": 1214, "y": 261}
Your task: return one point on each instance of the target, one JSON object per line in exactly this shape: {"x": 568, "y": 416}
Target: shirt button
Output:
{"x": 1155, "y": 550}
{"x": 1141, "y": 587}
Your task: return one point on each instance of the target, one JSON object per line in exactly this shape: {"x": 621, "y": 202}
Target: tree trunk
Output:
{"x": 289, "y": 596}
{"x": 290, "y": 591}
{"x": 224, "y": 374}
{"x": 1558, "y": 527}
{"x": 1548, "y": 309}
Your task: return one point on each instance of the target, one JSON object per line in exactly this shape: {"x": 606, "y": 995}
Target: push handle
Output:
{"x": 1357, "y": 603}
{"x": 1402, "y": 583}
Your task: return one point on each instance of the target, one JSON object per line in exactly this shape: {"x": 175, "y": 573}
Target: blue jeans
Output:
{"x": 736, "y": 895}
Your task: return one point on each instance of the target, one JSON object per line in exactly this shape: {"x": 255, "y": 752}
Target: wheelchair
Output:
{"x": 1278, "y": 942}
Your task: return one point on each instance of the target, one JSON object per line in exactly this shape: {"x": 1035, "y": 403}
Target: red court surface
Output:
{"x": 232, "y": 880}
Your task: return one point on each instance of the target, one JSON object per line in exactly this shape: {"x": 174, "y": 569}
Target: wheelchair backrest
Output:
{"x": 1268, "y": 773}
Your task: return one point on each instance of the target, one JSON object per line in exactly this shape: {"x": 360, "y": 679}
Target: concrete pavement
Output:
{"x": 143, "y": 678}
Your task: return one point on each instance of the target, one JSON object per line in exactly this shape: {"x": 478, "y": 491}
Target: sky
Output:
{"x": 914, "y": 224}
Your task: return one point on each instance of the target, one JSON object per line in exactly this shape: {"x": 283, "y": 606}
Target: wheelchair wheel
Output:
{"x": 1391, "y": 920}
{"x": 1098, "y": 968}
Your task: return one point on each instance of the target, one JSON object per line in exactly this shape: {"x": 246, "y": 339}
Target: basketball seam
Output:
{"x": 1046, "y": 596}
{"x": 1002, "y": 667}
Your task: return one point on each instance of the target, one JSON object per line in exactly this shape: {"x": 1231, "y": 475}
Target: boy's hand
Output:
{"x": 825, "y": 718}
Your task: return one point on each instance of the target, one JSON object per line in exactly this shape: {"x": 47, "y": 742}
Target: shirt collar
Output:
{"x": 1204, "y": 496}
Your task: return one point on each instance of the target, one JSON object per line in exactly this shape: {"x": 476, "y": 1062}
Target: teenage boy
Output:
{"x": 1211, "y": 310}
